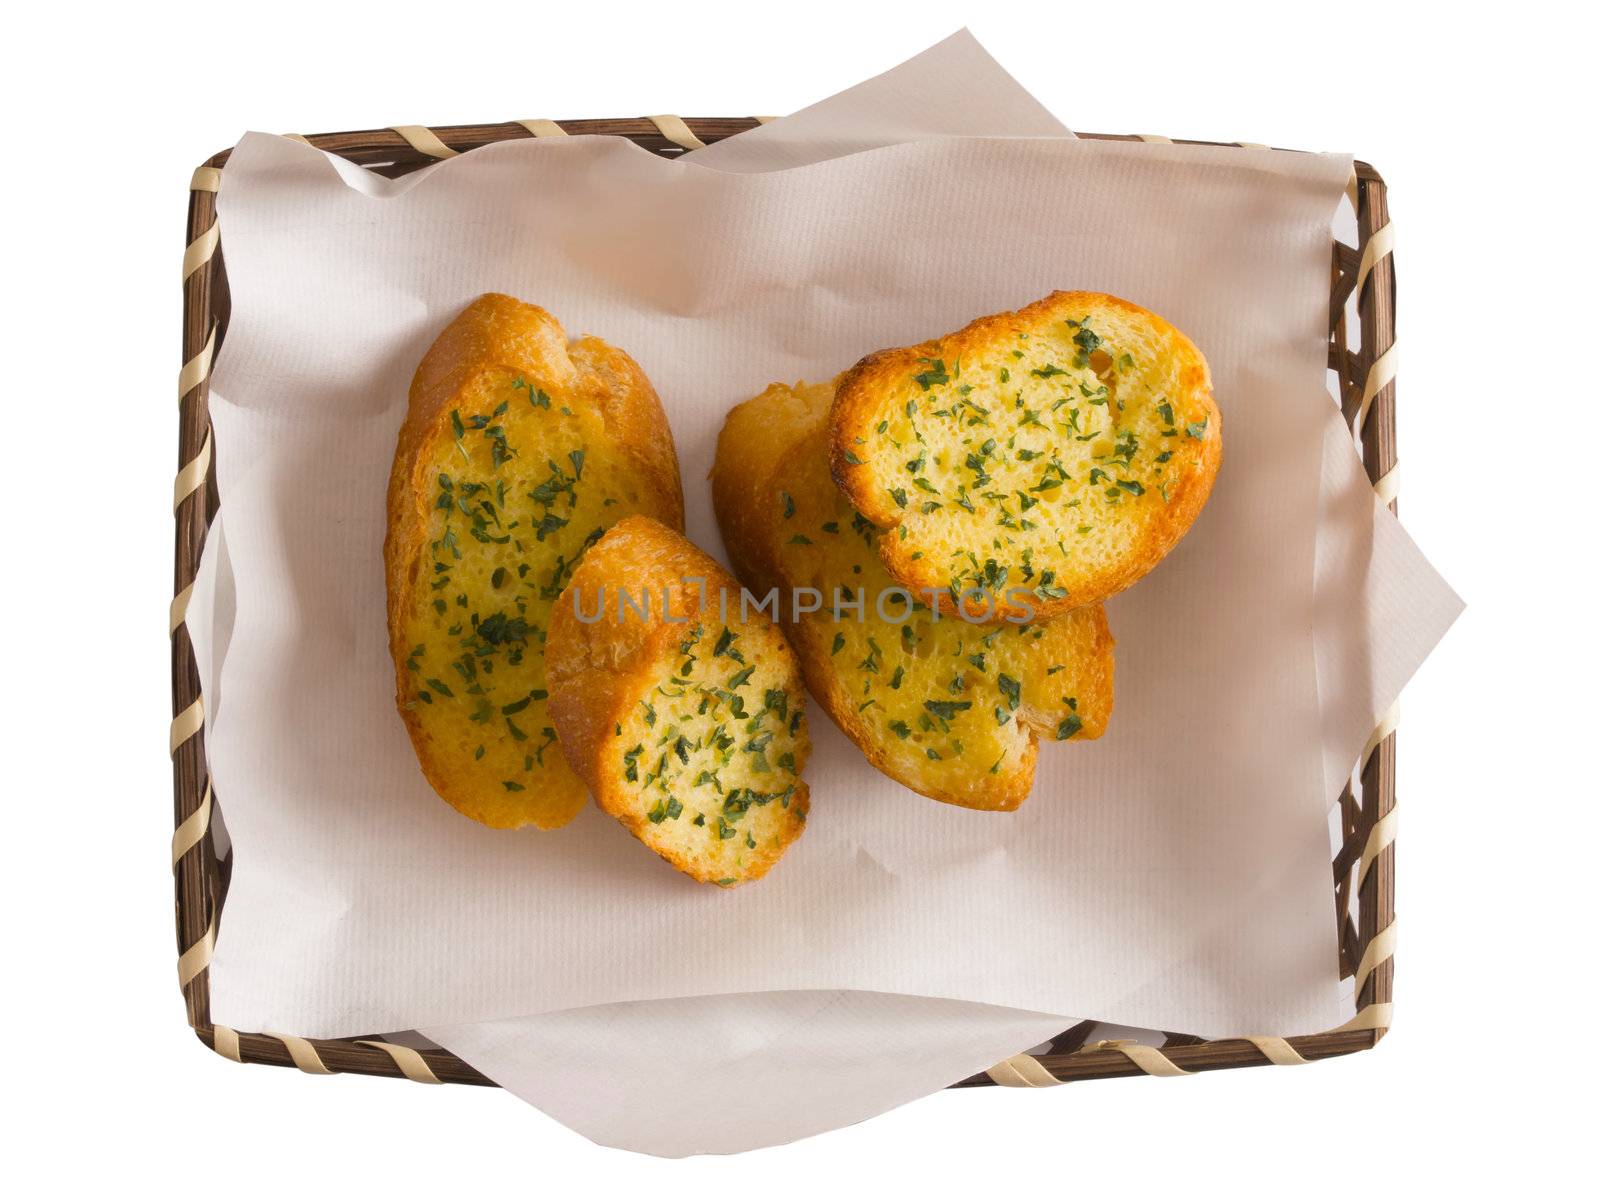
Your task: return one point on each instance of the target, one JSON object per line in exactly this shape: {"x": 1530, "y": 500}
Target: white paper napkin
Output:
{"x": 737, "y": 1072}
{"x": 952, "y": 89}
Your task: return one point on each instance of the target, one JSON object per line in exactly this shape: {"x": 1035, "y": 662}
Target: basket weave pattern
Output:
{"x": 1360, "y": 352}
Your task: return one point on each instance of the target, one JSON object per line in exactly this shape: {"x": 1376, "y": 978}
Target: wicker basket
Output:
{"x": 1360, "y": 352}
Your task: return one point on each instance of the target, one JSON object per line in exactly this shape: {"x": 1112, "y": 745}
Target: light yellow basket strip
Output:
{"x": 303, "y": 1053}
{"x": 1379, "y": 950}
{"x": 1381, "y": 837}
{"x": 1278, "y": 1051}
{"x": 541, "y": 128}
{"x": 1378, "y": 247}
{"x": 1147, "y": 1058}
{"x": 187, "y": 835}
{"x": 192, "y": 476}
{"x": 1022, "y": 1070}
{"x": 225, "y": 1042}
{"x": 1388, "y": 486}
{"x": 1379, "y": 376}
{"x": 1156, "y": 138}
{"x": 200, "y": 250}
{"x": 205, "y": 179}
{"x": 1386, "y": 725}
{"x": 178, "y": 609}
{"x": 412, "y": 1065}
{"x": 198, "y": 956}
{"x": 765, "y": 120}
{"x": 676, "y": 131}
{"x": 185, "y": 725}
{"x": 1373, "y": 1016}
{"x": 1006, "y": 1074}
{"x": 424, "y": 141}
{"x": 198, "y": 368}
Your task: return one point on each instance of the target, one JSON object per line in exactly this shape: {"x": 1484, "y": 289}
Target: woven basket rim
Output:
{"x": 1363, "y": 870}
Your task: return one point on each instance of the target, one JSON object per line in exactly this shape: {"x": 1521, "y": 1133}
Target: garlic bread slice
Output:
{"x": 1064, "y": 448}
{"x": 519, "y": 449}
{"x": 685, "y": 718}
{"x": 949, "y": 708}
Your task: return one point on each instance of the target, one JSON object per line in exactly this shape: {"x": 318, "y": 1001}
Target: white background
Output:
{"x": 1480, "y": 121}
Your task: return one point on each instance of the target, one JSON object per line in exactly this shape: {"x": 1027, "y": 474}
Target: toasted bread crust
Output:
{"x": 497, "y": 335}
{"x": 602, "y": 671}
{"x": 772, "y": 460}
{"x": 879, "y": 382}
